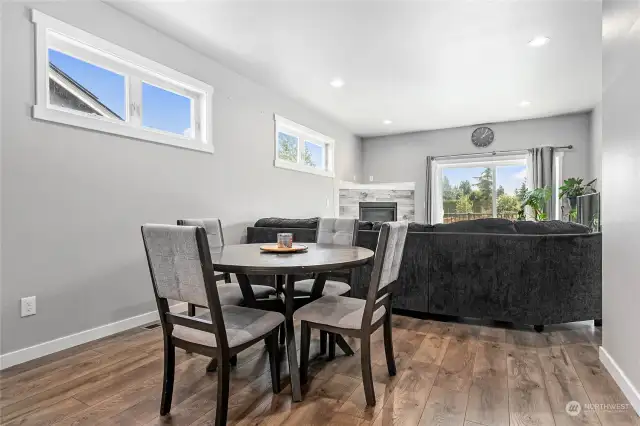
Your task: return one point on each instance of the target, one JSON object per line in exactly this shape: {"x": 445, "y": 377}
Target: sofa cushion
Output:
{"x": 413, "y": 227}
{"x": 279, "y": 222}
{"x": 420, "y": 227}
{"x": 478, "y": 226}
{"x": 364, "y": 225}
{"x": 550, "y": 227}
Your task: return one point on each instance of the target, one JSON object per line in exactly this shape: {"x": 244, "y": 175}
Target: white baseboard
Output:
{"x": 621, "y": 379}
{"x": 27, "y": 354}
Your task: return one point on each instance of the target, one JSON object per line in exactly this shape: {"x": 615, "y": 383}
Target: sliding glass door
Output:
{"x": 478, "y": 188}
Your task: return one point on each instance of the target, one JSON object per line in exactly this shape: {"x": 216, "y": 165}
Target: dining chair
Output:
{"x": 337, "y": 231}
{"x": 181, "y": 269}
{"x": 356, "y": 317}
{"x": 230, "y": 293}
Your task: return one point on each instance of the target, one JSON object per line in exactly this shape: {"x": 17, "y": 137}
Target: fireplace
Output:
{"x": 378, "y": 211}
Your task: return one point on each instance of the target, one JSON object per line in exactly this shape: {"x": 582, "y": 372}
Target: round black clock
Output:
{"x": 482, "y": 137}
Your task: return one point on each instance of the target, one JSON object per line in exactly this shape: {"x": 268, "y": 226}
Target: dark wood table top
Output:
{"x": 250, "y": 260}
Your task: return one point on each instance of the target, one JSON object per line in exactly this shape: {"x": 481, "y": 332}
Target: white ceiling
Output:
{"x": 422, "y": 64}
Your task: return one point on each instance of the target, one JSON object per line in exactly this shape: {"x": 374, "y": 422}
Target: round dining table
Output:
{"x": 321, "y": 259}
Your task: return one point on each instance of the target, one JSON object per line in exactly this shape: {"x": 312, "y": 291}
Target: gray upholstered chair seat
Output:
{"x": 337, "y": 311}
{"x": 230, "y": 293}
{"x": 242, "y": 324}
{"x": 331, "y": 288}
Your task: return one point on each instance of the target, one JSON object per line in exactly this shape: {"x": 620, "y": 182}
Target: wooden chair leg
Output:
{"x": 388, "y": 345}
{"x": 367, "y": 377}
{"x": 305, "y": 343}
{"x": 233, "y": 360}
{"x": 323, "y": 342}
{"x": 282, "y": 334}
{"x": 222, "y": 406}
{"x": 212, "y": 366}
{"x": 332, "y": 346}
{"x": 169, "y": 371}
{"x": 274, "y": 361}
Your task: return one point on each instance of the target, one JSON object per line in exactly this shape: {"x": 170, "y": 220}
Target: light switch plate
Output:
{"x": 27, "y": 306}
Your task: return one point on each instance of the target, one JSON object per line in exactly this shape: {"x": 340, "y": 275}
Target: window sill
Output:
{"x": 305, "y": 169}
{"x": 107, "y": 126}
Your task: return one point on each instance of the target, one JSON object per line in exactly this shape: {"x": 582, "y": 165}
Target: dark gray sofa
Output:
{"x": 519, "y": 272}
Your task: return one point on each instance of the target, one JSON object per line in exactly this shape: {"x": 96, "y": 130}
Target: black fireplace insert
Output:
{"x": 378, "y": 211}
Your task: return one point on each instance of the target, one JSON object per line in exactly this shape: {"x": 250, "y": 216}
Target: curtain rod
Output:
{"x": 515, "y": 151}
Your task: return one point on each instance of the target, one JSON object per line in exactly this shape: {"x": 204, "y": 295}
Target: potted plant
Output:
{"x": 572, "y": 188}
{"x": 536, "y": 199}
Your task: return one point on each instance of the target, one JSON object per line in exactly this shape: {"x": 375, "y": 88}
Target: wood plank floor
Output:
{"x": 448, "y": 374}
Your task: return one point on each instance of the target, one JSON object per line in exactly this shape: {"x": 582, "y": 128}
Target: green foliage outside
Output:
{"x": 477, "y": 197}
{"x": 508, "y": 203}
{"x": 288, "y": 150}
{"x": 464, "y": 204}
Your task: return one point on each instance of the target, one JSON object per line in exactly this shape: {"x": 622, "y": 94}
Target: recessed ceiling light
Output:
{"x": 539, "y": 41}
{"x": 525, "y": 104}
{"x": 337, "y": 82}
{"x": 387, "y": 122}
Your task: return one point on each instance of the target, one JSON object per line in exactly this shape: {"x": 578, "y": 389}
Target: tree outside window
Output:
{"x": 468, "y": 192}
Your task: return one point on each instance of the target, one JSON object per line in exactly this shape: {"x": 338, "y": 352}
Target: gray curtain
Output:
{"x": 541, "y": 164}
{"x": 428, "y": 193}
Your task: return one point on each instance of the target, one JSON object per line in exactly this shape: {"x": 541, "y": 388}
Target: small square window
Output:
{"x": 85, "y": 88}
{"x": 302, "y": 149}
{"x": 287, "y": 147}
{"x": 313, "y": 155}
{"x": 166, "y": 111}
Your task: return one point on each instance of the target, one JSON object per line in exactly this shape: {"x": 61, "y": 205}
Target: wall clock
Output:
{"x": 482, "y": 137}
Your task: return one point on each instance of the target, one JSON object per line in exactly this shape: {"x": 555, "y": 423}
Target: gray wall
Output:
{"x": 595, "y": 147}
{"x": 620, "y": 205}
{"x": 401, "y": 158}
{"x": 73, "y": 200}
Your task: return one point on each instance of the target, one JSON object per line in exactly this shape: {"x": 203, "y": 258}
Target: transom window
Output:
{"x": 302, "y": 149}
{"x": 88, "y": 82}
{"x": 479, "y": 188}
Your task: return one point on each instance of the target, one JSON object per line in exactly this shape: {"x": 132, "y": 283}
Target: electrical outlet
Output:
{"x": 370, "y": 178}
{"x": 327, "y": 201}
{"x": 28, "y": 306}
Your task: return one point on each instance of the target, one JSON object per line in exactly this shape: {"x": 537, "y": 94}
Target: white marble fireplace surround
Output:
{"x": 350, "y": 195}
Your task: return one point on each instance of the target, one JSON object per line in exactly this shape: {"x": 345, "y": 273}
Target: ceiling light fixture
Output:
{"x": 539, "y": 41}
{"x": 337, "y": 83}
{"x": 387, "y": 122}
{"x": 525, "y": 104}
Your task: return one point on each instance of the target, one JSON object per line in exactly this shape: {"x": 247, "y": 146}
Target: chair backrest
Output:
{"x": 337, "y": 231}
{"x": 386, "y": 266}
{"x": 212, "y": 226}
{"x": 181, "y": 269}
{"x": 215, "y": 237}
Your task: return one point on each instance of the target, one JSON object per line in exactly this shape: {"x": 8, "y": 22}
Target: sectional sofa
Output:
{"x": 526, "y": 273}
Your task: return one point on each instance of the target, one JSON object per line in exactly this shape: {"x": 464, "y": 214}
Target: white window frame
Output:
{"x": 303, "y": 134}
{"x": 558, "y": 160}
{"x": 492, "y": 162}
{"x": 57, "y": 35}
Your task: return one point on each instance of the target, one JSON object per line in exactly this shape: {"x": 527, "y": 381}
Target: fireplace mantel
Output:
{"x": 398, "y": 186}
